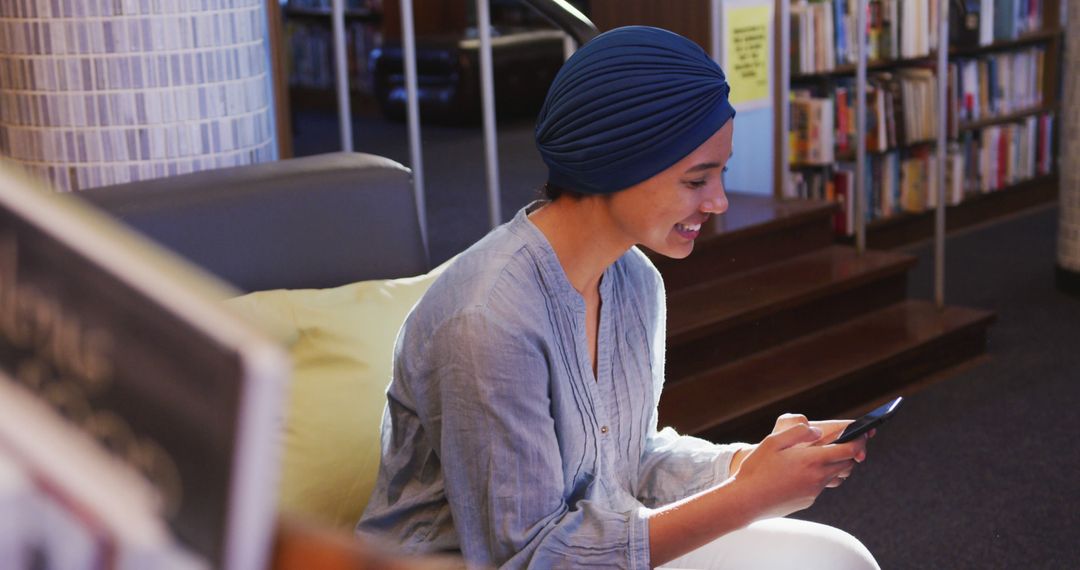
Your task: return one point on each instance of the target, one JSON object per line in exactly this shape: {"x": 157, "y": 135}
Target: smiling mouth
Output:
{"x": 688, "y": 232}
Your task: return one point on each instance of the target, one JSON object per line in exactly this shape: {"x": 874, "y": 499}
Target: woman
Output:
{"x": 521, "y": 420}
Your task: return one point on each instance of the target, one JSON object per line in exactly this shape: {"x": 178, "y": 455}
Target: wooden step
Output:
{"x": 756, "y": 230}
{"x": 731, "y": 317}
{"x": 821, "y": 374}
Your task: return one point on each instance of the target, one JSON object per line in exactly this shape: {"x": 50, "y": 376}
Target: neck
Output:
{"x": 583, "y": 237}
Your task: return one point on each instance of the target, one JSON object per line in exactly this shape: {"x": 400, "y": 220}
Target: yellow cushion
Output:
{"x": 342, "y": 361}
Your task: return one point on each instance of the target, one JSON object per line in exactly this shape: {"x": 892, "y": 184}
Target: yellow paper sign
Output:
{"x": 746, "y": 52}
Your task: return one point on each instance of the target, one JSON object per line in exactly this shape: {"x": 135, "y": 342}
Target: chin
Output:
{"x": 681, "y": 254}
{"x": 674, "y": 251}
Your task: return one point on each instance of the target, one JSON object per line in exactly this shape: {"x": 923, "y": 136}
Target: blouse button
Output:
{"x": 603, "y": 429}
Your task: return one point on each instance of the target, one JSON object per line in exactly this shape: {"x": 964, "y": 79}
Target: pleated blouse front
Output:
{"x": 499, "y": 441}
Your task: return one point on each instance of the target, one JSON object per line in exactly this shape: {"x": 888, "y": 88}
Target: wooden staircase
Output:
{"x": 769, "y": 316}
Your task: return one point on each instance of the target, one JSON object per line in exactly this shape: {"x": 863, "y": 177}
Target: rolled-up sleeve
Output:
{"x": 676, "y": 466}
{"x": 488, "y": 412}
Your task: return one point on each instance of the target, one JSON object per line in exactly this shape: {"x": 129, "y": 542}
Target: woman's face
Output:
{"x": 665, "y": 212}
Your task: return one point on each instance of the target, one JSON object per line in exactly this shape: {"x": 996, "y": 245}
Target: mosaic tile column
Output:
{"x": 1069, "y": 191}
{"x": 100, "y": 92}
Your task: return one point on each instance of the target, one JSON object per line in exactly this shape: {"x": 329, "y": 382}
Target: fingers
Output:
{"x": 831, "y": 428}
{"x": 851, "y": 454}
{"x": 794, "y": 435}
{"x": 785, "y": 421}
{"x": 839, "y": 473}
{"x": 855, "y": 449}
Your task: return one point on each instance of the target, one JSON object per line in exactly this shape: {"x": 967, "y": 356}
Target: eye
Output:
{"x": 695, "y": 184}
{"x": 724, "y": 171}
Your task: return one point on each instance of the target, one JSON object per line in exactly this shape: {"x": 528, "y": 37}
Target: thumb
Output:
{"x": 794, "y": 435}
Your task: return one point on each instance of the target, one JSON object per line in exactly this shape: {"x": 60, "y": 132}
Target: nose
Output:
{"x": 715, "y": 202}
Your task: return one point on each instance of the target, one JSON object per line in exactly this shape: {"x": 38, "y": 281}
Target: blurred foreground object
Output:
{"x": 302, "y": 545}
{"x": 143, "y": 414}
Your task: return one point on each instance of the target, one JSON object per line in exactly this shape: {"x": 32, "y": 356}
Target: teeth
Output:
{"x": 691, "y": 228}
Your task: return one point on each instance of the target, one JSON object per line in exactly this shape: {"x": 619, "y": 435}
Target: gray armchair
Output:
{"x": 312, "y": 222}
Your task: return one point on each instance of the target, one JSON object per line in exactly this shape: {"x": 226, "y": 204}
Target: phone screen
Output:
{"x": 870, "y": 420}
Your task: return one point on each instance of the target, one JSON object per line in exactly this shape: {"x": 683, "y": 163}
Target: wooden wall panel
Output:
{"x": 431, "y": 18}
{"x": 687, "y": 17}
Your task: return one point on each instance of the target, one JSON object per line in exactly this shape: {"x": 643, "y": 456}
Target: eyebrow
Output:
{"x": 706, "y": 165}
{"x": 703, "y": 166}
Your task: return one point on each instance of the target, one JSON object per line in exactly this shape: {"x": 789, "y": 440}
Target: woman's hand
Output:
{"x": 787, "y": 471}
{"x": 831, "y": 430}
{"x": 782, "y": 474}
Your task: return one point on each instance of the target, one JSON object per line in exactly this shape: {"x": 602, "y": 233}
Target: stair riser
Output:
{"x": 691, "y": 353}
{"x": 1068, "y": 281}
{"x": 827, "y": 400}
{"x": 735, "y": 254}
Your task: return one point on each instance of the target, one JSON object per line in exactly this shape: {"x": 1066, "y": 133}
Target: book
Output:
{"x": 965, "y": 22}
{"x": 130, "y": 345}
{"x": 986, "y": 22}
{"x": 80, "y": 507}
{"x": 903, "y": 108}
{"x": 844, "y": 183}
{"x": 954, "y": 176}
{"x": 17, "y": 516}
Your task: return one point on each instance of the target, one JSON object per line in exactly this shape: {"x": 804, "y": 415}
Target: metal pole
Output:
{"x": 785, "y": 97}
{"x": 412, "y": 107}
{"x": 342, "y": 74}
{"x": 487, "y": 88}
{"x": 569, "y": 46}
{"x": 860, "y": 118}
{"x": 714, "y": 29}
{"x": 942, "y": 150}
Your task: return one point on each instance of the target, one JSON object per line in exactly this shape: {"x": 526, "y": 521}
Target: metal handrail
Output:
{"x": 564, "y": 16}
{"x": 567, "y": 18}
{"x": 559, "y": 12}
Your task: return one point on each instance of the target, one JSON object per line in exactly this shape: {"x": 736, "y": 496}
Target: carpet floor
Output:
{"x": 982, "y": 470}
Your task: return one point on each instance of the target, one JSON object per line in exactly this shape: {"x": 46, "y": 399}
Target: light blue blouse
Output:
{"x": 497, "y": 439}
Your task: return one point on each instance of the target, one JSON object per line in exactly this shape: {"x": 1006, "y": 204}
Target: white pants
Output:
{"x": 780, "y": 543}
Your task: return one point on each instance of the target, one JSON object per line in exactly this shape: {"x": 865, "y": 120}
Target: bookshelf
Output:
{"x": 369, "y": 25}
{"x": 1002, "y": 108}
{"x": 365, "y": 14}
{"x": 308, "y": 46}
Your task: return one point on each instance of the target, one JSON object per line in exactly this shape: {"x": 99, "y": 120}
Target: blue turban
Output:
{"x": 627, "y": 105}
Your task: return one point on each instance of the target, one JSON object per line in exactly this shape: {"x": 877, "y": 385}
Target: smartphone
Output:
{"x": 869, "y": 421}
